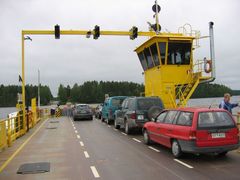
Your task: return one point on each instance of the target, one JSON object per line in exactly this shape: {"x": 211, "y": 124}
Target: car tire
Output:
{"x": 127, "y": 129}
{"x": 108, "y": 121}
{"x": 176, "y": 149}
{"x": 222, "y": 154}
{"x": 146, "y": 137}
{"x": 102, "y": 119}
{"x": 117, "y": 126}
{"x": 91, "y": 118}
{"x": 74, "y": 119}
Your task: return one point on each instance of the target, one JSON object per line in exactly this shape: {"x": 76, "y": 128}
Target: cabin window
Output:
{"x": 179, "y": 53}
{"x": 148, "y": 57}
{"x": 142, "y": 60}
{"x": 154, "y": 52}
{"x": 162, "y": 47}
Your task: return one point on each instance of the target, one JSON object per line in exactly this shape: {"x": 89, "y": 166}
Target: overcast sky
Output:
{"x": 77, "y": 59}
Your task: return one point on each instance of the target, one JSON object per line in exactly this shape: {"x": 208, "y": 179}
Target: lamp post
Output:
{"x": 39, "y": 88}
{"x": 23, "y": 82}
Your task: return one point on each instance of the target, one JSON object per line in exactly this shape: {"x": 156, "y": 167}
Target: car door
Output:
{"x": 105, "y": 109}
{"x": 167, "y": 128}
{"x": 122, "y": 112}
{"x": 154, "y": 128}
{"x": 183, "y": 126}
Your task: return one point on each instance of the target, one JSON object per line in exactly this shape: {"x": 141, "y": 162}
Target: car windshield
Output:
{"x": 147, "y": 103}
{"x": 79, "y": 107}
{"x": 117, "y": 102}
{"x": 214, "y": 120}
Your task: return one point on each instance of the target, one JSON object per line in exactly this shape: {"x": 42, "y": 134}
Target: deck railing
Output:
{"x": 12, "y": 127}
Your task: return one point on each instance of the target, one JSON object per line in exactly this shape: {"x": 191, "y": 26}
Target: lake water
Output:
{"x": 203, "y": 102}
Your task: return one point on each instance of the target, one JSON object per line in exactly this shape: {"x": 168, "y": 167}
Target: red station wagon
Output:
{"x": 194, "y": 130}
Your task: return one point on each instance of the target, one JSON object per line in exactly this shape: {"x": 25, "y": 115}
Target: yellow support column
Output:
{"x": 23, "y": 87}
{"x": 3, "y": 139}
{"x": 34, "y": 111}
{"x": 9, "y": 135}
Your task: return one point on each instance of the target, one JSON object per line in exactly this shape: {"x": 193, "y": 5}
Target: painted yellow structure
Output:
{"x": 167, "y": 75}
{"x": 13, "y": 127}
{"x": 169, "y": 69}
{"x": 167, "y": 59}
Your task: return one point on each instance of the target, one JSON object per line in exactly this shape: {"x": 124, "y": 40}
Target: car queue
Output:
{"x": 183, "y": 130}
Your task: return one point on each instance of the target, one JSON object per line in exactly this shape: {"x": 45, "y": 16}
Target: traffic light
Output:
{"x": 96, "y": 32}
{"x": 133, "y": 32}
{"x": 57, "y": 31}
{"x": 155, "y": 26}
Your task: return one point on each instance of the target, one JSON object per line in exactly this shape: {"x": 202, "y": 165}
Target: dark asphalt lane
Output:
{"x": 117, "y": 156}
{"x": 86, "y": 150}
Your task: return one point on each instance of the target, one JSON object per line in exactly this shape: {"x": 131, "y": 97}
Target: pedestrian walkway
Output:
{"x": 52, "y": 141}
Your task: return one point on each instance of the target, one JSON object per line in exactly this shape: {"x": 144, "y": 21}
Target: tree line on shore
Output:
{"x": 8, "y": 94}
{"x": 94, "y": 92}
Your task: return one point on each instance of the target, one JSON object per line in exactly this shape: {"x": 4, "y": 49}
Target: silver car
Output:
{"x": 82, "y": 111}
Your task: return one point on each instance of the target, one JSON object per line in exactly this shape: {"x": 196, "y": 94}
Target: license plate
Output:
{"x": 83, "y": 112}
{"x": 218, "y": 135}
{"x": 140, "y": 117}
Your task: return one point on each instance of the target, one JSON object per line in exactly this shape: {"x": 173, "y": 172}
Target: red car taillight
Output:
{"x": 133, "y": 116}
{"x": 192, "y": 135}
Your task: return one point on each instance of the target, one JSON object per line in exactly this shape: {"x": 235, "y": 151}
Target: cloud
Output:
{"x": 77, "y": 59}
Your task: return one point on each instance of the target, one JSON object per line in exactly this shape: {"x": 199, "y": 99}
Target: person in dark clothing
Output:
{"x": 225, "y": 104}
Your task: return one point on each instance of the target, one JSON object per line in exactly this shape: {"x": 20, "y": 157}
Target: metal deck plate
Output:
{"x": 34, "y": 168}
{"x": 51, "y": 127}
{"x": 54, "y": 121}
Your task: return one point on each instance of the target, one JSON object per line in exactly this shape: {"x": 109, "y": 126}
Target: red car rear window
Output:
{"x": 210, "y": 120}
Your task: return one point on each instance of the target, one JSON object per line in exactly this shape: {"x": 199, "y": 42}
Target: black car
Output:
{"x": 82, "y": 111}
{"x": 135, "y": 111}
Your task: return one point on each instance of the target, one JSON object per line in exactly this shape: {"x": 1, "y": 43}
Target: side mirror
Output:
{"x": 153, "y": 119}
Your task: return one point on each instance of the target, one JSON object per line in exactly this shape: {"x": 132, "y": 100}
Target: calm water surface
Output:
{"x": 203, "y": 102}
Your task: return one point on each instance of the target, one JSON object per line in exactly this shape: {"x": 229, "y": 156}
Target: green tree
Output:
{"x": 62, "y": 94}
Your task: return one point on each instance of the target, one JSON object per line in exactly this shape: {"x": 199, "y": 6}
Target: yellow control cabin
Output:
{"x": 169, "y": 69}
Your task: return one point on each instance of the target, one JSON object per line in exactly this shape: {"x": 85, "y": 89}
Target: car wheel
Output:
{"x": 102, "y": 119}
{"x": 91, "y": 118}
{"x": 127, "y": 128}
{"x": 74, "y": 119}
{"x": 176, "y": 149}
{"x": 108, "y": 121}
{"x": 222, "y": 154}
{"x": 146, "y": 137}
{"x": 117, "y": 126}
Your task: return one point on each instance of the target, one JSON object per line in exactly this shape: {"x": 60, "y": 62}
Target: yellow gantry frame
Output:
{"x": 78, "y": 32}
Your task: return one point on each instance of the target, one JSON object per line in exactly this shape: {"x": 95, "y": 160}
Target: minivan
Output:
{"x": 110, "y": 105}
